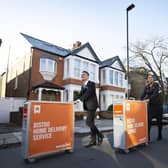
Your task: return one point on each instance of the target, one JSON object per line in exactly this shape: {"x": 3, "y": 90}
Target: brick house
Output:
{"x": 52, "y": 73}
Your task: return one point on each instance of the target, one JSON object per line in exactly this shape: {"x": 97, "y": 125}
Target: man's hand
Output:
{"x": 147, "y": 100}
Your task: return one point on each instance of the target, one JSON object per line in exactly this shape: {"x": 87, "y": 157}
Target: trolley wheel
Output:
{"x": 122, "y": 151}
{"x": 126, "y": 151}
{"x": 146, "y": 144}
{"x": 30, "y": 160}
{"x": 69, "y": 151}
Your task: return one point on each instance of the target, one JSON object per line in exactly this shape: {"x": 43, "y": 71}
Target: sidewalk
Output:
{"x": 10, "y": 134}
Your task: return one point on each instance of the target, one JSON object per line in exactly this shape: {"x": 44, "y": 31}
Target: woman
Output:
{"x": 152, "y": 95}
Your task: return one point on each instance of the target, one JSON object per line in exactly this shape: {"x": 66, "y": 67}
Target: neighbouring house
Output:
{"x": 52, "y": 73}
{"x": 2, "y": 84}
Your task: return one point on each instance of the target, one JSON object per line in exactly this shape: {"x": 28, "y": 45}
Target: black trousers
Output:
{"x": 90, "y": 122}
{"x": 155, "y": 111}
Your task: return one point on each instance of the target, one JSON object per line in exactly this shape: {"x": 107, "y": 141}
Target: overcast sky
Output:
{"x": 102, "y": 23}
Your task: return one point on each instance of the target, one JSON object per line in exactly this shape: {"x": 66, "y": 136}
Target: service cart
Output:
{"x": 130, "y": 124}
{"x": 48, "y": 127}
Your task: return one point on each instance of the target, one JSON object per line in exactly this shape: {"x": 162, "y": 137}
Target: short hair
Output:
{"x": 86, "y": 72}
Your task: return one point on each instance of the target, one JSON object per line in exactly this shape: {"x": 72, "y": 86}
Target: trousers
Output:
{"x": 155, "y": 111}
{"x": 90, "y": 122}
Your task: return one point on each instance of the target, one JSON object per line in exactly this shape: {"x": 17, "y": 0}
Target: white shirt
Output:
{"x": 85, "y": 83}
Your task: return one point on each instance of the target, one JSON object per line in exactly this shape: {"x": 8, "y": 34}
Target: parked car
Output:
{"x": 165, "y": 111}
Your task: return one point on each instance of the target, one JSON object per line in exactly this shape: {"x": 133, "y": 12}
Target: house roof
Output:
{"x": 39, "y": 44}
{"x": 110, "y": 61}
{"x": 47, "y": 84}
{"x": 45, "y": 46}
{"x": 75, "y": 52}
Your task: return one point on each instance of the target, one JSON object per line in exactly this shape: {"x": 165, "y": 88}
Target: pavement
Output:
{"x": 11, "y": 134}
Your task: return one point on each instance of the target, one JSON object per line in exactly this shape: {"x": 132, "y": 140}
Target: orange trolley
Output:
{"x": 130, "y": 124}
{"x": 48, "y": 127}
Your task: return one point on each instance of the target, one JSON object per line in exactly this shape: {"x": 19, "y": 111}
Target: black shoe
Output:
{"x": 100, "y": 139}
{"x": 159, "y": 138}
{"x": 91, "y": 143}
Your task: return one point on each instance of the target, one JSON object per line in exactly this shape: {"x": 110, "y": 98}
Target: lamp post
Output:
{"x": 130, "y": 7}
{"x": 7, "y": 70}
{"x": 0, "y": 42}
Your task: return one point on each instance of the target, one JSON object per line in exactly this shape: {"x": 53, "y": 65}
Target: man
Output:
{"x": 152, "y": 95}
{"x": 88, "y": 97}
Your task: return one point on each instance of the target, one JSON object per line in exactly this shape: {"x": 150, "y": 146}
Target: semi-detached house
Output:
{"x": 52, "y": 73}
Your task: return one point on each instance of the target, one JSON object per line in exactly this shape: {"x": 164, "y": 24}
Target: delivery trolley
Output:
{"x": 48, "y": 127}
{"x": 130, "y": 124}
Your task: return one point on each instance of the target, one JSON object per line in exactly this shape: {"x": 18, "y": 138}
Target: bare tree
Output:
{"x": 153, "y": 55}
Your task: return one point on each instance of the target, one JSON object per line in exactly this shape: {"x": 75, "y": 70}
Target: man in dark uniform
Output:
{"x": 88, "y": 97}
{"x": 155, "y": 108}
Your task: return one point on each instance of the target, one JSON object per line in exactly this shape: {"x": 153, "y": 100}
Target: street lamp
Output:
{"x": 0, "y": 42}
{"x": 130, "y": 7}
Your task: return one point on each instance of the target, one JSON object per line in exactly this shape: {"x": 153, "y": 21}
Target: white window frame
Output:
{"x": 103, "y": 76}
{"x": 92, "y": 72}
{"x": 77, "y": 68}
{"x": 45, "y": 70}
{"x": 116, "y": 78}
{"x": 47, "y": 66}
{"x": 111, "y": 80}
{"x": 121, "y": 79}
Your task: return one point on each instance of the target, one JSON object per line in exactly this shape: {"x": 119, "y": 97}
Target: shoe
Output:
{"x": 159, "y": 138}
{"x": 91, "y": 143}
{"x": 100, "y": 139}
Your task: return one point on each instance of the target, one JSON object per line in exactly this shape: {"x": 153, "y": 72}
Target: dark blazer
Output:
{"x": 152, "y": 93}
{"x": 88, "y": 96}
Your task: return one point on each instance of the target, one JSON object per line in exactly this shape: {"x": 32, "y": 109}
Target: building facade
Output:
{"x": 52, "y": 73}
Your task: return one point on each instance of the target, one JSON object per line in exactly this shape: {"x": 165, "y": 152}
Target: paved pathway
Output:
{"x": 11, "y": 134}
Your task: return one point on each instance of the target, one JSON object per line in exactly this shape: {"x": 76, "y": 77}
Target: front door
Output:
{"x": 50, "y": 95}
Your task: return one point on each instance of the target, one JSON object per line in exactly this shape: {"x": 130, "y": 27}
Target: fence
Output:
{"x": 8, "y": 105}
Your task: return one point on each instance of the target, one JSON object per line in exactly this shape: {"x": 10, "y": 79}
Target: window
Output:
{"x": 47, "y": 65}
{"x": 111, "y": 99}
{"x": 67, "y": 67}
{"x": 121, "y": 97}
{"x": 121, "y": 79}
{"x": 66, "y": 95}
{"x": 85, "y": 66}
{"x": 48, "y": 68}
{"x": 116, "y": 78}
{"x": 111, "y": 77}
{"x": 77, "y": 68}
{"x": 104, "y": 76}
{"x": 103, "y": 102}
{"x": 92, "y": 72}
{"x": 104, "y": 99}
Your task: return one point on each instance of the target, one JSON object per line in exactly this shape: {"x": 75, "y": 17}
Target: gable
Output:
{"x": 85, "y": 52}
{"x": 117, "y": 65}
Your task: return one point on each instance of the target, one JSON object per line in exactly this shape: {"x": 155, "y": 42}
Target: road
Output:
{"x": 152, "y": 156}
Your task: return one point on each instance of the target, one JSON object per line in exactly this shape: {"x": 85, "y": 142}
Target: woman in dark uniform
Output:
{"x": 155, "y": 108}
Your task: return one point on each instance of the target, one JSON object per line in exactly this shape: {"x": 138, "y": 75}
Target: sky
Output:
{"x": 102, "y": 23}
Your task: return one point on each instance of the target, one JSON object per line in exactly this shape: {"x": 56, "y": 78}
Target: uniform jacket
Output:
{"x": 152, "y": 93}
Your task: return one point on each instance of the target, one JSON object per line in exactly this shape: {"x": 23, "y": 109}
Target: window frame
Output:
{"x": 46, "y": 66}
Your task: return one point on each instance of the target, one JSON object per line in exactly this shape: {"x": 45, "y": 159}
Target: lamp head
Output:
{"x": 130, "y": 7}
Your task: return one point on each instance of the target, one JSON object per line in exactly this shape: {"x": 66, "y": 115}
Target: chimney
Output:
{"x": 76, "y": 45}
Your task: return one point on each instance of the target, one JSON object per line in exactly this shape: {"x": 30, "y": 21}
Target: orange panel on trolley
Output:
{"x": 130, "y": 124}
{"x": 50, "y": 127}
